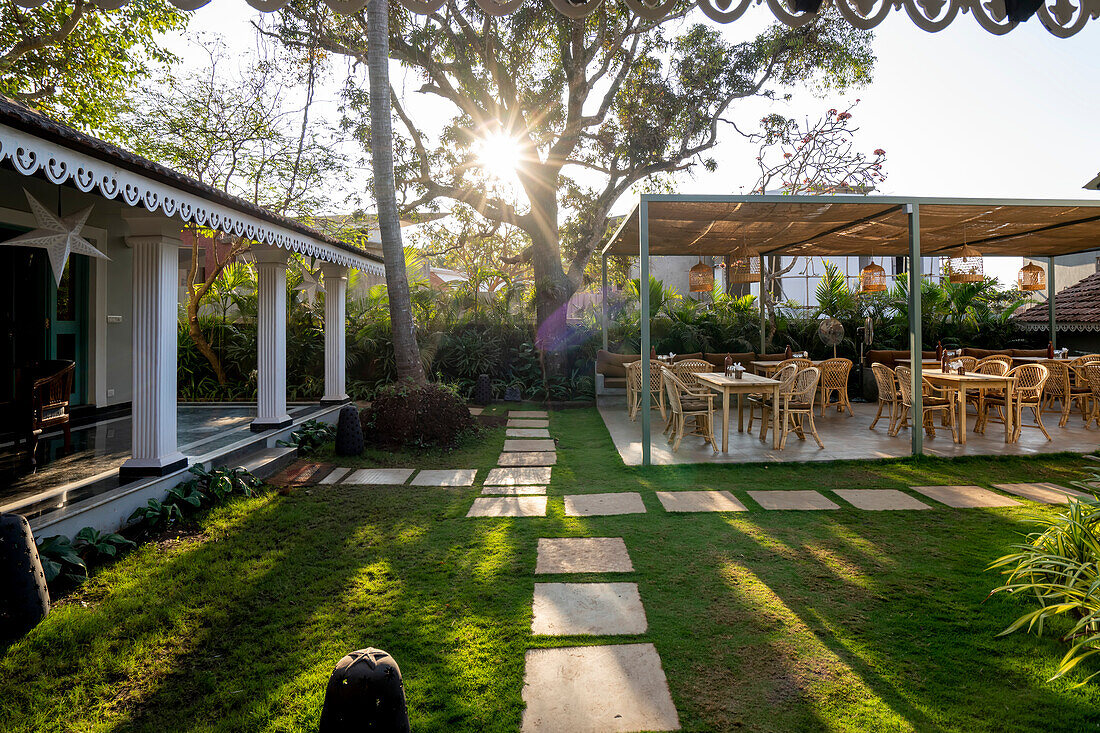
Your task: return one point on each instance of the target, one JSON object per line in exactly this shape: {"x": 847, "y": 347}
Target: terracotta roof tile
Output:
{"x": 1078, "y": 303}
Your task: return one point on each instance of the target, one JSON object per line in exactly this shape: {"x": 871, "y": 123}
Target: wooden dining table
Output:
{"x": 747, "y": 384}
{"x": 957, "y": 384}
{"x": 767, "y": 368}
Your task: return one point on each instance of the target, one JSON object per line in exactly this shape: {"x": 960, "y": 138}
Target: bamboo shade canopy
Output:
{"x": 858, "y": 225}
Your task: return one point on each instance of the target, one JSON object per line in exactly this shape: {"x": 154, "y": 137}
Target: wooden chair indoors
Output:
{"x": 1027, "y": 392}
{"x": 932, "y": 401}
{"x": 685, "y": 404}
{"x": 888, "y": 394}
{"x": 42, "y": 398}
{"x": 834, "y": 380}
{"x": 797, "y": 406}
{"x": 1061, "y": 386}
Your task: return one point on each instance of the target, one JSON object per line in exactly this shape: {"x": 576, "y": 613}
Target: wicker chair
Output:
{"x": 1061, "y": 386}
{"x": 1077, "y": 370}
{"x": 684, "y": 404}
{"x": 634, "y": 388}
{"x": 785, "y": 376}
{"x": 888, "y": 394}
{"x": 983, "y": 367}
{"x": 1027, "y": 392}
{"x": 686, "y": 370}
{"x": 834, "y": 378}
{"x": 1092, "y": 375}
{"x": 42, "y": 400}
{"x": 997, "y": 366}
{"x": 932, "y": 400}
{"x": 798, "y": 404}
{"x": 969, "y": 362}
{"x": 800, "y": 363}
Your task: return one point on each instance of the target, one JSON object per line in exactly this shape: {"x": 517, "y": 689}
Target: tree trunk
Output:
{"x": 406, "y": 351}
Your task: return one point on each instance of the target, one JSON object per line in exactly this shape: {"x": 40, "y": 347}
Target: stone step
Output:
{"x": 267, "y": 462}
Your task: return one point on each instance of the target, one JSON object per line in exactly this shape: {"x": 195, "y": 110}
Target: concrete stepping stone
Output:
{"x": 1044, "y": 493}
{"x": 508, "y": 506}
{"x": 335, "y": 475}
{"x": 583, "y": 555}
{"x": 521, "y": 423}
{"x": 515, "y": 490}
{"x": 792, "y": 500}
{"x": 527, "y": 433}
{"x": 596, "y": 689}
{"x": 380, "y": 476}
{"x": 445, "y": 477}
{"x": 597, "y": 609}
{"x": 528, "y": 414}
{"x": 596, "y": 505}
{"x": 699, "y": 501}
{"x": 874, "y": 500}
{"x": 515, "y": 476}
{"x": 476, "y": 410}
{"x": 965, "y": 497}
{"x": 528, "y": 458}
{"x": 528, "y": 445}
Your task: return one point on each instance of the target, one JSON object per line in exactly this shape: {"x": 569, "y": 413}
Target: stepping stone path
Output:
{"x": 528, "y": 445}
{"x": 517, "y": 476}
{"x": 446, "y": 477}
{"x": 583, "y": 555}
{"x": 379, "y": 476}
{"x": 965, "y": 497}
{"x": 528, "y": 414}
{"x": 513, "y": 423}
{"x": 792, "y": 500}
{"x": 522, "y": 458}
{"x": 596, "y": 609}
{"x": 1044, "y": 493}
{"x": 508, "y": 506}
{"x": 515, "y": 490}
{"x": 596, "y": 505}
{"x": 699, "y": 501}
{"x": 879, "y": 499}
{"x": 527, "y": 433}
{"x": 335, "y": 475}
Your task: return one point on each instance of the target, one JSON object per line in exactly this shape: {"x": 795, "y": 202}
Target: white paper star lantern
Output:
{"x": 309, "y": 285}
{"x": 59, "y": 236}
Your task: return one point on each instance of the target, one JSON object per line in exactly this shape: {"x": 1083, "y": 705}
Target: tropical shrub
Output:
{"x": 61, "y": 561}
{"x": 431, "y": 415}
{"x": 96, "y": 546}
{"x": 310, "y": 436}
{"x": 1060, "y": 568}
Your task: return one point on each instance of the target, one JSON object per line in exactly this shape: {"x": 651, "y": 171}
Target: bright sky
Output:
{"x": 960, "y": 113}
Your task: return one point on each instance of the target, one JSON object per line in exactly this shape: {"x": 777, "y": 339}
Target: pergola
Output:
{"x": 779, "y": 225}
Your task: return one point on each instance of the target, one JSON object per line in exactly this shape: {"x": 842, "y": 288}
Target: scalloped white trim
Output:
{"x": 30, "y": 154}
{"x": 1075, "y": 326}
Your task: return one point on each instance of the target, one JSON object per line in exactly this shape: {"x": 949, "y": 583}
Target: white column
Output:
{"x": 155, "y": 242}
{"x": 270, "y": 337}
{"x": 336, "y": 288}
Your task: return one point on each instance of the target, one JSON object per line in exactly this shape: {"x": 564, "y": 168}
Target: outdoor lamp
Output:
{"x": 701, "y": 278}
{"x": 872, "y": 279}
{"x": 964, "y": 265}
{"x": 1031, "y": 277}
{"x": 744, "y": 266}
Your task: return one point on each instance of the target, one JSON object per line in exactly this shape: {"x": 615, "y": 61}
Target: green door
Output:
{"x": 67, "y": 322}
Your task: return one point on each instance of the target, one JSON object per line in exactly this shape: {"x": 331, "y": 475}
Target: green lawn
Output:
{"x": 785, "y": 621}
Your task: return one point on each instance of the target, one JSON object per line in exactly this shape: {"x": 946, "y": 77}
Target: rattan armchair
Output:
{"x": 888, "y": 394}
{"x": 1091, "y": 371}
{"x": 763, "y": 402}
{"x": 932, "y": 401}
{"x": 685, "y": 404}
{"x": 1061, "y": 386}
{"x": 834, "y": 379}
{"x": 686, "y": 370}
{"x": 797, "y": 406}
{"x": 997, "y": 366}
{"x": 1027, "y": 392}
{"x": 634, "y": 388}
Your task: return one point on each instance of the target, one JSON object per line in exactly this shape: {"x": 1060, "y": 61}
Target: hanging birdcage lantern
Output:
{"x": 744, "y": 266}
{"x": 1031, "y": 277}
{"x": 872, "y": 279}
{"x": 964, "y": 265}
{"x": 701, "y": 278}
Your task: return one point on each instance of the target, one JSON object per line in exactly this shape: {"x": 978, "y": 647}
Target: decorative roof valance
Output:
{"x": 1063, "y": 18}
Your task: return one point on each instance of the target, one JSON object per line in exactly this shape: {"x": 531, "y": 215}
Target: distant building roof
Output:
{"x": 1077, "y": 308}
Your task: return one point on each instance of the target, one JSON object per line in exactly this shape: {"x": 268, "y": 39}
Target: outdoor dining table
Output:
{"x": 959, "y": 383}
{"x": 747, "y": 384}
{"x": 766, "y": 368}
{"x": 1037, "y": 359}
{"x": 923, "y": 362}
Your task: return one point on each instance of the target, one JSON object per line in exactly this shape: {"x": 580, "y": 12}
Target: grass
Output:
{"x": 782, "y": 621}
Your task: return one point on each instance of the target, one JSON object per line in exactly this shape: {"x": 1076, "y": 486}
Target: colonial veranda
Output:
{"x": 748, "y": 230}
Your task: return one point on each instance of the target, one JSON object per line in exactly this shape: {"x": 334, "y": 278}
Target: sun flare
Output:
{"x": 499, "y": 156}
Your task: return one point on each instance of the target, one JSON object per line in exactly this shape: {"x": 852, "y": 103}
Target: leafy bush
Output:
{"x": 61, "y": 561}
{"x": 310, "y": 436}
{"x": 1060, "y": 567}
{"x": 156, "y": 514}
{"x": 96, "y": 546}
{"x": 431, "y": 415}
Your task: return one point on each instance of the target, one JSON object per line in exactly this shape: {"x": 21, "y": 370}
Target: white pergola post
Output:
{"x": 155, "y": 244}
{"x": 270, "y": 337}
{"x": 336, "y": 288}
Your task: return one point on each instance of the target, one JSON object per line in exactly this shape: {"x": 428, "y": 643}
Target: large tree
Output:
{"x": 592, "y": 106}
{"x": 77, "y": 62}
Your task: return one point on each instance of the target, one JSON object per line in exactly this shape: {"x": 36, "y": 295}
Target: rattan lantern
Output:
{"x": 744, "y": 266}
{"x": 1031, "y": 277}
{"x": 701, "y": 278}
{"x": 872, "y": 279}
{"x": 964, "y": 265}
